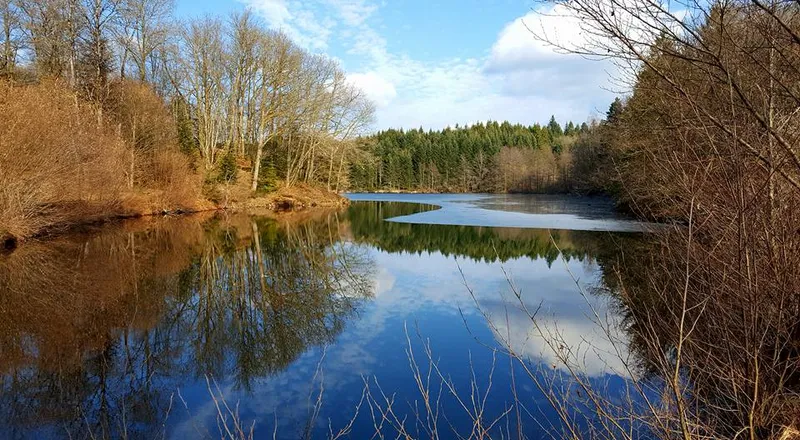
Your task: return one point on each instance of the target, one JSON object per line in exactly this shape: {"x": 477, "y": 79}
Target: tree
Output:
{"x": 145, "y": 29}
{"x": 11, "y": 35}
{"x": 52, "y": 33}
{"x": 614, "y": 111}
{"x": 245, "y": 34}
{"x": 554, "y": 128}
{"x": 95, "y": 54}
{"x": 204, "y": 84}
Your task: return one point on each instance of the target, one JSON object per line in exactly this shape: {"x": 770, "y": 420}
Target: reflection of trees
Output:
{"x": 258, "y": 307}
{"x": 98, "y": 330}
{"x": 479, "y": 243}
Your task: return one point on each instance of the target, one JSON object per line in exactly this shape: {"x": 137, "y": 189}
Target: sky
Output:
{"x": 438, "y": 63}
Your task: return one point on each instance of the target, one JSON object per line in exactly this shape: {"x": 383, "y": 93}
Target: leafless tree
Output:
{"x": 203, "y": 70}
{"x": 11, "y": 34}
{"x": 146, "y": 27}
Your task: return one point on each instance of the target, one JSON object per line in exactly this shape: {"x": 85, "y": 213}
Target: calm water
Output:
{"x": 135, "y": 330}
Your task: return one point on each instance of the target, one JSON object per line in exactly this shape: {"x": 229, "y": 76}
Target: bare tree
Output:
{"x": 280, "y": 62}
{"x": 51, "y": 35}
{"x": 100, "y": 19}
{"x": 11, "y": 34}
{"x": 202, "y": 66}
{"x": 146, "y": 26}
{"x": 245, "y": 33}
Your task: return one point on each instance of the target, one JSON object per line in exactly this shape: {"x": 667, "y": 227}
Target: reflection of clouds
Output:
{"x": 565, "y": 313}
{"x": 383, "y": 282}
{"x": 408, "y": 286}
{"x": 578, "y": 337}
{"x": 566, "y": 318}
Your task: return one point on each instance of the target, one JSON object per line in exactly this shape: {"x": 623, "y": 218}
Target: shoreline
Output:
{"x": 284, "y": 201}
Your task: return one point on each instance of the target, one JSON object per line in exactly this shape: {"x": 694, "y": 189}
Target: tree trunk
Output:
{"x": 257, "y": 166}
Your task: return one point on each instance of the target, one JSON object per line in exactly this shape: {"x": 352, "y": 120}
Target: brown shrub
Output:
{"x": 65, "y": 161}
{"x": 58, "y": 163}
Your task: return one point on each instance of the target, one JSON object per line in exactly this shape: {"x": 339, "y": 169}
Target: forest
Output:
{"x": 483, "y": 157}
{"x": 117, "y": 107}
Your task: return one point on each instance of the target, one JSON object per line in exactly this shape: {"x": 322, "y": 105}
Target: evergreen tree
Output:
{"x": 227, "y": 168}
{"x": 185, "y": 127}
{"x": 554, "y": 128}
{"x": 614, "y": 111}
{"x": 268, "y": 178}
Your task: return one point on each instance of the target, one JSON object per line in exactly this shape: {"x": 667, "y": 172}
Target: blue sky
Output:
{"x": 440, "y": 62}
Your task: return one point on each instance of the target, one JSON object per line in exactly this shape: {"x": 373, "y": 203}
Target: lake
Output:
{"x": 395, "y": 315}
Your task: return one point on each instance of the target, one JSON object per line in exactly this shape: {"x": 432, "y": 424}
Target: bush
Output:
{"x": 66, "y": 161}
{"x": 58, "y": 162}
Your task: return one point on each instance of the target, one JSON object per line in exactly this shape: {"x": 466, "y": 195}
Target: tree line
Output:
{"x": 233, "y": 105}
{"x": 483, "y": 157}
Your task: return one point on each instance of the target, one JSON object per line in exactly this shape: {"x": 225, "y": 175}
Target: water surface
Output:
{"x": 146, "y": 329}
{"x": 515, "y": 211}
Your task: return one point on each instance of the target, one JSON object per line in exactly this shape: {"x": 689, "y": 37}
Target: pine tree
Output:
{"x": 228, "y": 170}
{"x": 268, "y": 177}
{"x": 185, "y": 127}
{"x": 614, "y": 111}
{"x": 554, "y": 128}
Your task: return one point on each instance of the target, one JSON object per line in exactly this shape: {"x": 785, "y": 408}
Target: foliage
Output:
{"x": 184, "y": 126}
{"x": 268, "y": 179}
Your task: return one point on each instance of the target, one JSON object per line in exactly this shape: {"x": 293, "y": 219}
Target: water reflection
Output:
{"x": 485, "y": 244}
{"x": 100, "y": 330}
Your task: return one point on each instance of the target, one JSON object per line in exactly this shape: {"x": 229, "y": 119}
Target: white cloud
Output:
{"x": 519, "y": 79}
{"x": 298, "y": 19}
{"x": 274, "y": 11}
{"x": 521, "y": 44}
{"x": 353, "y": 12}
{"x": 377, "y": 88}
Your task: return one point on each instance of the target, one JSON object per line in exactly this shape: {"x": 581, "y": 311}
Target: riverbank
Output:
{"x": 280, "y": 202}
